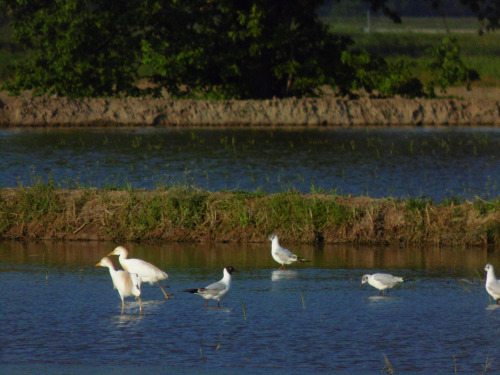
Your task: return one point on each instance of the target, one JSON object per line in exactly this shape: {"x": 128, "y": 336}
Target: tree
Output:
{"x": 226, "y": 48}
{"x": 75, "y": 47}
{"x": 246, "y": 49}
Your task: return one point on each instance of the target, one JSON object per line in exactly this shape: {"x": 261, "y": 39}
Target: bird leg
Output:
{"x": 218, "y": 303}
{"x": 123, "y": 306}
{"x": 140, "y": 305}
{"x": 167, "y": 296}
{"x": 282, "y": 267}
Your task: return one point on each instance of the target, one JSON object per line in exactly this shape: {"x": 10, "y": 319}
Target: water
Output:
{"x": 60, "y": 314}
{"x": 434, "y": 163}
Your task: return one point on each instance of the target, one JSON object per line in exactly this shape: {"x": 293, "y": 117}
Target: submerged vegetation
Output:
{"x": 43, "y": 211}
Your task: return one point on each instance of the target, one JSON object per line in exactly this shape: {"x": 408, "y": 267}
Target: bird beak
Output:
{"x": 111, "y": 253}
{"x": 98, "y": 264}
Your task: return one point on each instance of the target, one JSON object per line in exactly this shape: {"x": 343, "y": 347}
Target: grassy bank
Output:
{"x": 186, "y": 214}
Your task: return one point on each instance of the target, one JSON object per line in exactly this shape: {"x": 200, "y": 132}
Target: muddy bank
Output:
{"x": 184, "y": 214}
{"x": 28, "y": 111}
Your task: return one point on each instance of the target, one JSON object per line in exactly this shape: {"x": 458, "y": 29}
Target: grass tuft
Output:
{"x": 244, "y": 310}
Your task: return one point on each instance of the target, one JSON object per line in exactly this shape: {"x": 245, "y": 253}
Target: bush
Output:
{"x": 374, "y": 74}
{"x": 448, "y": 68}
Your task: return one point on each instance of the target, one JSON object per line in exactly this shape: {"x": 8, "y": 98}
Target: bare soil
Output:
{"x": 481, "y": 106}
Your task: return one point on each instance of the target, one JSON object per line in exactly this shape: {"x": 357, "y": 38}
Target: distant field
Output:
{"x": 414, "y": 24}
{"x": 412, "y": 39}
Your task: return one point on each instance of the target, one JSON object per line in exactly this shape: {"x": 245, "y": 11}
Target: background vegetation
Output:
{"x": 222, "y": 49}
{"x": 185, "y": 214}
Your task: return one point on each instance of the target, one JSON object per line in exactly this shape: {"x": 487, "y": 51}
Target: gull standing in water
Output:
{"x": 282, "y": 255}
{"x": 216, "y": 290}
{"x": 127, "y": 284}
{"x": 381, "y": 281}
{"x": 492, "y": 284}
{"x": 147, "y": 272}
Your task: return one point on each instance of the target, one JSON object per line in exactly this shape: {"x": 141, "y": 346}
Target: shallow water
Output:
{"x": 435, "y": 163}
{"x": 60, "y": 314}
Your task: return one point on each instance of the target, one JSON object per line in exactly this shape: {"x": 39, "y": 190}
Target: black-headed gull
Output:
{"x": 127, "y": 284}
{"x": 147, "y": 272}
{"x": 492, "y": 284}
{"x": 216, "y": 290}
{"x": 282, "y": 255}
{"x": 381, "y": 281}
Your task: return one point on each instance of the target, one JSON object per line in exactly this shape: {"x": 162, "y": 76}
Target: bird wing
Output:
{"x": 216, "y": 287}
{"x": 124, "y": 283}
{"x": 284, "y": 255}
{"x": 213, "y": 290}
{"x": 494, "y": 287}
{"x": 147, "y": 272}
{"x": 386, "y": 279}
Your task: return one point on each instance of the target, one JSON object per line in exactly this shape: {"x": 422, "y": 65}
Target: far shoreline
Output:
{"x": 480, "y": 107}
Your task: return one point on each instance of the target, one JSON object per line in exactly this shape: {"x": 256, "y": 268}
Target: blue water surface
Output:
{"x": 435, "y": 163}
{"x": 60, "y": 314}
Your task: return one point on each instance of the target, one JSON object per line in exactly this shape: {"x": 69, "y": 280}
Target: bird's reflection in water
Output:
{"x": 493, "y": 307}
{"x": 278, "y": 275}
{"x": 129, "y": 320}
{"x": 218, "y": 309}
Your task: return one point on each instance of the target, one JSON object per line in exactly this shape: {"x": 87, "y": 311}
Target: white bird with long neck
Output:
{"x": 381, "y": 281}
{"x": 492, "y": 284}
{"x": 147, "y": 272}
{"x": 216, "y": 290}
{"x": 128, "y": 284}
{"x": 282, "y": 255}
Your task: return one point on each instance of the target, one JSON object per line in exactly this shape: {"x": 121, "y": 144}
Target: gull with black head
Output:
{"x": 216, "y": 290}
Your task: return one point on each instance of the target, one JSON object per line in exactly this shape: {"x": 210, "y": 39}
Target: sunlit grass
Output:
{"x": 388, "y": 366}
{"x": 244, "y": 309}
{"x": 220, "y": 343}
{"x": 190, "y": 214}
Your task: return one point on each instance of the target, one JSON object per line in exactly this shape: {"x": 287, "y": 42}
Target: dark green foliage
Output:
{"x": 246, "y": 49}
{"x": 370, "y": 72}
{"x": 486, "y": 207}
{"x": 447, "y": 66}
{"x": 38, "y": 200}
{"x": 76, "y": 47}
{"x": 214, "y": 49}
{"x": 418, "y": 204}
{"x": 218, "y": 48}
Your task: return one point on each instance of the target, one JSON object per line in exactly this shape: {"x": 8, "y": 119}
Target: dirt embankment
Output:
{"x": 469, "y": 109}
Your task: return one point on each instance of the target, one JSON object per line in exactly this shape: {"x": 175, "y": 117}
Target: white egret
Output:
{"x": 492, "y": 284}
{"x": 148, "y": 273}
{"x": 282, "y": 255}
{"x": 216, "y": 290}
{"x": 381, "y": 281}
{"x": 127, "y": 284}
